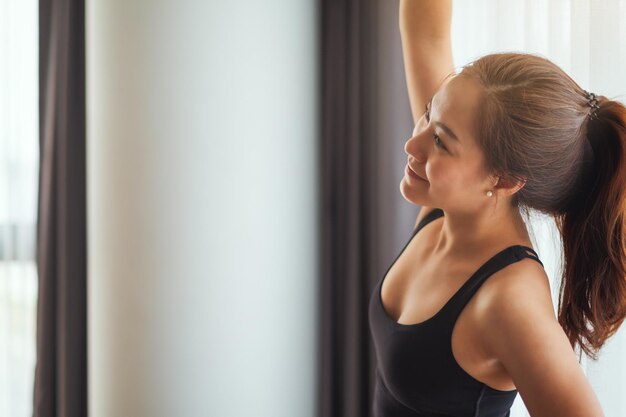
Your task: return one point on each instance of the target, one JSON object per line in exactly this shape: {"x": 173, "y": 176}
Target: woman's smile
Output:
{"x": 409, "y": 172}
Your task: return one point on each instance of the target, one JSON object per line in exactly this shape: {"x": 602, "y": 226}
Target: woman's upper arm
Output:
{"x": 426, "y": 48}
{"x": 522, "y": 331}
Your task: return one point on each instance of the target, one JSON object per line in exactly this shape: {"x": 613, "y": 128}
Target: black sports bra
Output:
{"x": 417, "y": 374}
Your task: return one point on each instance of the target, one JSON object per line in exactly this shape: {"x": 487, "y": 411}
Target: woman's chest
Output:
{"x": 416, "y": 289}
{"x": 418, "y": 285}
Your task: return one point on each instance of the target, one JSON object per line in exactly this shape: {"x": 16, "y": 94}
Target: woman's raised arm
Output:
{"x": 426, "y": 47}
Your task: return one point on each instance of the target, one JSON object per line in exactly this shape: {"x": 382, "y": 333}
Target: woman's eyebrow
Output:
{"x": 445, "y": 128}
{"x": 448, "y": 131}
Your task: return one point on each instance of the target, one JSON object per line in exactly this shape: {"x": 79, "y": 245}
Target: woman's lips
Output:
{"x": 412, "y": 174}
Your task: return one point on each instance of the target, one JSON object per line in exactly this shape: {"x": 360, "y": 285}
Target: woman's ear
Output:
{"x": 509, "y": 185}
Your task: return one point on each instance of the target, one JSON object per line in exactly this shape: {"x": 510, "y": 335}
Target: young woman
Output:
{"x": 463, "y": 319}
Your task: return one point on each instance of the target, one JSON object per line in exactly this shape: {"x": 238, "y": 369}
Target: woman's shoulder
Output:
{"x": 524, "y": 278}
{"x": 519, "y": 330}
{"x": 520, "y": 290}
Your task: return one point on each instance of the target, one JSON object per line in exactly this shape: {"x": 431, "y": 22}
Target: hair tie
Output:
{"x": 593, "y": 102}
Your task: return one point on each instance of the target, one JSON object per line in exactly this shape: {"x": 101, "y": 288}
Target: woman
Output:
{"x": 463, "y": 319}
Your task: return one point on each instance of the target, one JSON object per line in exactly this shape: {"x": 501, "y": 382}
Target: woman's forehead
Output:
{"x": 456, "y": 104}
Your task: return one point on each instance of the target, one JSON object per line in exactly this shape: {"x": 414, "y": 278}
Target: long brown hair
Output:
{"x": 534, "y": 125}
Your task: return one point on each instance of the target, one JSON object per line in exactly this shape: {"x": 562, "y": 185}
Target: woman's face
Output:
{"x": 443, "y": 151}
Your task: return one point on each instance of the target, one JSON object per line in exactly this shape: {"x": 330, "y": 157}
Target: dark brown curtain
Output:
{"x": 60, "y": 387}
{"x": 364, "y": 219}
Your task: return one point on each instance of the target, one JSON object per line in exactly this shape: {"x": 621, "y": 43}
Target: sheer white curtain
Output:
{"x": 587, "y": 38}
{"x": 19, "y": 159}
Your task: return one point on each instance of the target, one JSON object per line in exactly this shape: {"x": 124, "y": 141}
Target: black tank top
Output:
{"x": 416, "y": 373}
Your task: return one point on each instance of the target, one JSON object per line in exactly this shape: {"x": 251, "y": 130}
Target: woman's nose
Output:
{"x": 413, "y": 147}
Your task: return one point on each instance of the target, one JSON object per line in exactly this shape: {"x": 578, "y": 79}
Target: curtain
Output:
{"x": 60, "y": 387}
{"x": 365, "y": 221}
{"x": 346, "y": 149}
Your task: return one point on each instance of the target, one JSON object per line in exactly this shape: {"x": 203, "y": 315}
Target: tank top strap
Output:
{"x": 498, "y": 261}
{"x": 522, "y": 252}
{"x": 432, "y": 215}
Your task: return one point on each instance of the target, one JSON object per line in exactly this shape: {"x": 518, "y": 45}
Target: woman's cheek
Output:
{"x": 437, "y": 173}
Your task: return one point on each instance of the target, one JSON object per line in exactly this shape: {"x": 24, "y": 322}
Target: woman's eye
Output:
{"x": 438, "y": 142}
{"x": 437, "y": 139}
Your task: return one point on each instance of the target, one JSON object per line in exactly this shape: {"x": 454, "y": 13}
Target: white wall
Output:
{"x": 587, "y": 38}
{"x": 202, "y": 207}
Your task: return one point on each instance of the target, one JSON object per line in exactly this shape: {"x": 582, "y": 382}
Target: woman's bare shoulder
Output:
{"x": 521, "y": 331}
{"x": 526, "y": 278}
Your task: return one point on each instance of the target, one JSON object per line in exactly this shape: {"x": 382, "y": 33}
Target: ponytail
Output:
{"x": 592, "y": 298}
{"x": 536, "y": 123}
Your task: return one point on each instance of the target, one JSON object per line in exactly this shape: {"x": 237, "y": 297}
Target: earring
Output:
{"x": 489, "y": 193}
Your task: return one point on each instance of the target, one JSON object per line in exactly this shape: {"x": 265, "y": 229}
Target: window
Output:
{"x": 19, "y": 170}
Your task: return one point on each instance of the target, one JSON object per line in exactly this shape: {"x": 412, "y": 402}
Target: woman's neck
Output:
{"x": 464, "y": 234}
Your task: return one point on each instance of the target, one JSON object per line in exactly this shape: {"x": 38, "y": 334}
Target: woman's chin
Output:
{"x": 410, "y": 193}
